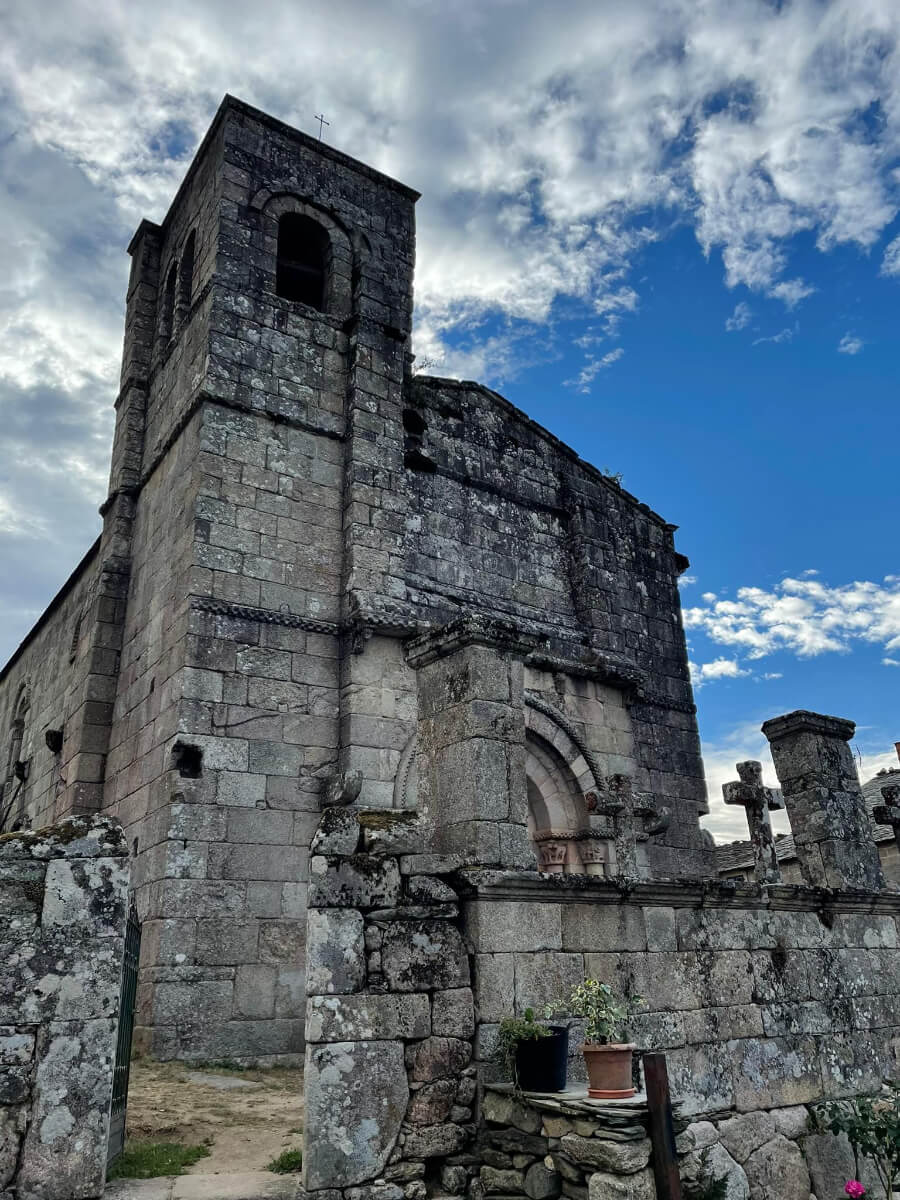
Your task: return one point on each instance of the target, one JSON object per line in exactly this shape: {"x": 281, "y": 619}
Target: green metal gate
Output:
{"x": 126, "y": 1029}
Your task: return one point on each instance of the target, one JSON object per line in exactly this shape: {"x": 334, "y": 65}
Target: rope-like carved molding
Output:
{"x": 533, "y": 700}
{"x": 267, "y": 616}
{"x": 658, "y": 700}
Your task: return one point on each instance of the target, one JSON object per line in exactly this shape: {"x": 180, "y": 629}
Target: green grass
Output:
{"x": 148, "y": 1160}
{"x": 287, "y": 1162}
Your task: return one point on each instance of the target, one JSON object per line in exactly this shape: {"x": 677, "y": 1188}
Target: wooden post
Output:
{"x": 662, "y": 1134}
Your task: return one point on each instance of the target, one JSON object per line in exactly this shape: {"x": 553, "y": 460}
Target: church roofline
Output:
{"x": 51, "y": 608}
{"x": 564, "y": 448}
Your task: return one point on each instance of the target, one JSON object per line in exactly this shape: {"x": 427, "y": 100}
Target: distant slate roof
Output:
{"x": 737, "y": 856}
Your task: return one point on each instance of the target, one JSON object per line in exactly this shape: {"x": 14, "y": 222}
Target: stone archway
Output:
{"x": 559, "y": 774}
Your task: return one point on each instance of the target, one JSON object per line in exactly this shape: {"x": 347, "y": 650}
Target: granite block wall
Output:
{"x": 63, "y": 894}
{"x": 510, "y": 521}
{"x": 758, "y": 1002}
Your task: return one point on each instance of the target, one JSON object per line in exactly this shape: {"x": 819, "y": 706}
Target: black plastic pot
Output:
{"x": 541, "y": 1062}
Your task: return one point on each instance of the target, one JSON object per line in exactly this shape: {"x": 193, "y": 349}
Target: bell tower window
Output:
{"x": 303, "y": 248}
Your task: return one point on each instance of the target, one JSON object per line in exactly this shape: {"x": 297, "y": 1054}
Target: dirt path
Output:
{"x": 245, "y": 1117}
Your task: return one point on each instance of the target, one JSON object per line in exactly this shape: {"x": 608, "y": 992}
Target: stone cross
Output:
{"x": 634, "y": 817}
{"x": 757, "y": 801}
{"x": 889, "y": 812}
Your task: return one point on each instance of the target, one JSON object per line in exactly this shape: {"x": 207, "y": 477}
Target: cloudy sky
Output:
{"x": 666, "y": 228}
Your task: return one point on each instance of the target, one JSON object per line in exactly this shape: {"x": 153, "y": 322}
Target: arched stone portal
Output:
{"x": 560, "y": 774}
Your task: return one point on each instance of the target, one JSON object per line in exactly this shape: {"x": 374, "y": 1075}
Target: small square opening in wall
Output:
{"x": 188, "y": 760}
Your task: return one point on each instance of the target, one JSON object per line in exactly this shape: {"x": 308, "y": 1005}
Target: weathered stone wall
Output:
{"x": 389, "y": 1020}
{"x": 509, "y": 521}
{"x": 546, "y": 1146}
{"x": 543, "y": 1146}
{"x": 758, "y": 1001}
{"x": 63, "y": 895}
{"x": 259, "y": 475}
{"x": 41, "y": 679}
{"x": 765, "y": 1003}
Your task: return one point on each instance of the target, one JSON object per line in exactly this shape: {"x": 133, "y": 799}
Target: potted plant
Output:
{"x": 534, "y": 1054}
{"x": 606, "y": 1056}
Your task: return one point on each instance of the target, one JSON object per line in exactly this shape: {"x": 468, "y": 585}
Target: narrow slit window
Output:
{"x": 302, "y": 260}
{"x": 168, "y": 311}
{"x": 186, "y": 274}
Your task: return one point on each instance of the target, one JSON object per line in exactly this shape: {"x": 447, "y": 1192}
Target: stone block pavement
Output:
{"x": 245, "y": 1185}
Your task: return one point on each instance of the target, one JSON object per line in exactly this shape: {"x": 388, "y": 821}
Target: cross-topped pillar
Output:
{"x": 831, "y": 828}
{"x": 888, "y": 813}
{"x": 757, "y": 801}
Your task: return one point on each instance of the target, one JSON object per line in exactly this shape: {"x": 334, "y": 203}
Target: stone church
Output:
{"x": 293, "y": 513}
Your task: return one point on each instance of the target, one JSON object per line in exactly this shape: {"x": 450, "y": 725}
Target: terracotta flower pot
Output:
{"x": 609, "y": 1070}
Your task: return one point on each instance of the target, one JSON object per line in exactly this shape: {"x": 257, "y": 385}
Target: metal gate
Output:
{"x": 126, "y": 1029}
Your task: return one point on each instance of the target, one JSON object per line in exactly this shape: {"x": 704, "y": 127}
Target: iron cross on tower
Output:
{"x": 320, "y": 117}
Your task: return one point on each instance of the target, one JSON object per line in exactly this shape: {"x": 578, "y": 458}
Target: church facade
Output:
{"x": 291, "y": 511}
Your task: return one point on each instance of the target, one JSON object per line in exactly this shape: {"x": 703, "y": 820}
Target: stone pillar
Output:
{"x": 757, "y": 800}
{"x": 888, "y": 812}
{"x": 831, "y": 827}
{"x": 471, "y": 741}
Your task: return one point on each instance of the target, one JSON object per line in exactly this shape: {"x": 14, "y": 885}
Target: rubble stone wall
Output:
{"x": 759, "y": 1000}
{"x": 544, "y": 1147}
{"x": 63, "y": 895}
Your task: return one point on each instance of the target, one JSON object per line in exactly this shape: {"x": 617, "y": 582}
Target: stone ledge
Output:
{"x": 574, "y": 1101}
{"x": 496, "y": 885}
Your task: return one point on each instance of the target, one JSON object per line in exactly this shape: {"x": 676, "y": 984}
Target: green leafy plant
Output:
{"x": 150, "y": 1160}
{"x": 872, "y": 1126}
{"x": 287, "y": 1162}
{"x": 514, "y": 1030}
{"x": 605, "y": 1017}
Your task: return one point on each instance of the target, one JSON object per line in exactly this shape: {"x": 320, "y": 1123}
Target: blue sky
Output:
{"x": 668, "y": 231}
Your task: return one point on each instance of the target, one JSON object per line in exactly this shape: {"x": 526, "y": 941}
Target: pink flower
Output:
{"x": 855, "y": 1189}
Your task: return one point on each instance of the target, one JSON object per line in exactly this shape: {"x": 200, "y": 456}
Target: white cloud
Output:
{"x": 719, "y": 668}
{"x": 686, "y": 580}
{"x": 786, "y": 335}
{"x": 548, "y": 161}
{"x": 592, "y": 369}
{"x": 890, "y": 263}
{"x": 740, "y": 318}
{"x": 890, "y": 662}
{"x": 850, "y": 344}
{"x": 803, "y": 617}
{"x": 791, "y": 291}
